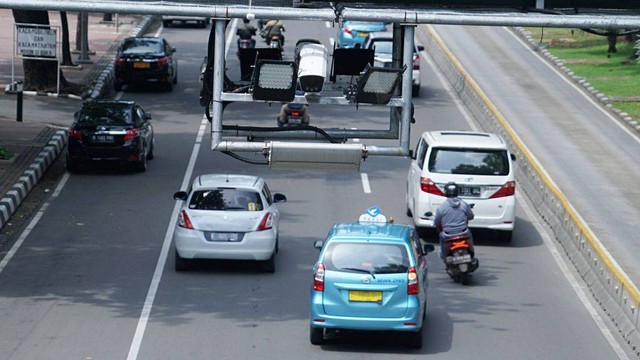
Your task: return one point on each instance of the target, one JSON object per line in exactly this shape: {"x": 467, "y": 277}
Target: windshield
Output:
{"x": 226, "y": 199}
{"x": 369, "y": 258}
{"x": 469, "y": 161}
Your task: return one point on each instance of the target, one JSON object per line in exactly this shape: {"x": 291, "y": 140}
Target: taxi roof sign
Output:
{"x": 373, "y": 215}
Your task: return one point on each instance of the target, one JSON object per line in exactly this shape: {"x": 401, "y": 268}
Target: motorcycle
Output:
{"x": 458, "y": 258}
{"x": 245, "y": 44}
{"x": 275, "y": 42}
{"x": 293, "y": 115}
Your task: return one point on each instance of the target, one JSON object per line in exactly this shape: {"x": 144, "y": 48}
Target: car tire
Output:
{"x": 316, "y": 335}
{"x": 505, "y": 236}
{"x": 415, "y": 91}
{"x": 117, "y": 86}
{"x": 175, "y": 78}
{"x": 141, "y": 166}
{"x": 166, "y": 23}
{"x": 169, "y": 86}
{"x": 270, "y": 265}
{"x": 72, "y": 166}
{"x": 203, "y": 24}
{"x": 415, "y": 338}
{"x": 181, "y": 264}
{"x": 150, "y": 155}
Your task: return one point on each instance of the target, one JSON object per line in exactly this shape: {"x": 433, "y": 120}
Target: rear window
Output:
{"x": 226, "y": 199}
{"x": 366, "y": 258}
{"x": 109, "y": 115}
{"x": 469, "y": 161}
{"x": 383, "y": 47}
{"x": 142, "y": 46}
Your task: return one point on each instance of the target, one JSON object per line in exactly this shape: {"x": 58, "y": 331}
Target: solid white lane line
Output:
{"x": 16, "y": 246}
{"x": 162, "y": 260}
{"x": 365, "y": 183}
{"x": 575, "y": 284}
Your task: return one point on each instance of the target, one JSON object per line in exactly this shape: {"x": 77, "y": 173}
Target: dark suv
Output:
{"x": 110, "y": 130}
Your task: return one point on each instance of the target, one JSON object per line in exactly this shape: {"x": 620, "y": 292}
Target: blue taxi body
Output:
{"x": 370, "y": 276}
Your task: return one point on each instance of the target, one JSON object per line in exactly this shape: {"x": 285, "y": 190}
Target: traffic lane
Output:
{"x": 85, "y": 267}
{"x": 576, "y": 142}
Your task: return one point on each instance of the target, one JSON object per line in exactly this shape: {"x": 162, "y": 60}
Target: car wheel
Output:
{"x": 169, "y": 86}
{"x": 141, "y": 166}
{"x": 316, "y": 335}
{"x": 175, "y": 78}
{"x": 203, "y": 24}
{"x": 277, "y": 245}
{"x": 415, "y": 339}
{"x": 72, "y": 166}
{"x": 415, "y": 90}
{"x": 505, "y": 236}
{"x": 117, "y": 86}
{"x": 270, "y": 265}
{"x": 166, "y": 23}
{"x": 150, "y": 155}
{"x": 181, "y": 263}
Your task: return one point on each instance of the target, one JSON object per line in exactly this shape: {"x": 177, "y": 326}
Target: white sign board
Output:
{"x": 36, "y": 42}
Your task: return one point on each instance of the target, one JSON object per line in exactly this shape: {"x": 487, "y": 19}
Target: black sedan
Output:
{"x": 110, "y": 131}
{"x": 146, "y": 60}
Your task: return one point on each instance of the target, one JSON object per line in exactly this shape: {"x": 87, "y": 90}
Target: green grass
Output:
{"x": 5, "y": 154}
{"x": 615, "y": 75}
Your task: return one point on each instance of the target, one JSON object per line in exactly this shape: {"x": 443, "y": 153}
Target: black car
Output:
{"x": 146, "y": 60}
{"x": 110, "y": 130}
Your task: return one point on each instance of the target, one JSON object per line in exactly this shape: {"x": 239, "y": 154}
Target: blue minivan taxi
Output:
{"x": 371, "y": 275}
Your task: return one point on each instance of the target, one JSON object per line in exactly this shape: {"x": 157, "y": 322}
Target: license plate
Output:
{"x": 362, "y": 34}
{"x": 295, "y": 120}
{"x": 469, "y": 190}
{"x": 141, "y": 65}
{"x": 461, "y": 259}
{"x": 365, "y": 296}
{"x": 224, "y": 236}
{"x": 103, "y": 138}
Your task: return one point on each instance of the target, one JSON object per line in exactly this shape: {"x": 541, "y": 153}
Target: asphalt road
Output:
{"x": 78, "y": 287}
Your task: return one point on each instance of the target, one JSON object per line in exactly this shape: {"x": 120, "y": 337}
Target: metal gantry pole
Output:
{"x": 218, "y": 81}
{"x": 409, "y": 31}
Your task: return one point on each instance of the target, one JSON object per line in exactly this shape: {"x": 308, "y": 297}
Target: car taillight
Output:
{"x": 318, "y": 278}
{"x": 412, "y": 282}
{"x": 429, "y": 186}
{"x": 75, "y": 134}
{"x": 348, "y": 31}
{"x": 120, "y": 62}
{"x": 508, "y": 189}
{"x": 266, "y": 223}
{"x": 416, "y": 62}
{"x": 183, "y": 220}
{"x": 163, "y": 61}
{"x": 131, "y": 134}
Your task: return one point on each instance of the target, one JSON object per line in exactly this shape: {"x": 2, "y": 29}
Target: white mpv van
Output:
{"x": 482, "y": 167}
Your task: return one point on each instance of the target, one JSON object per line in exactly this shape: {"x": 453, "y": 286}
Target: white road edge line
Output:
{"x": 162, "y": 260}
{"x": 560, "y": 260}
{"x": 16, "y": 246}
{"x": 365, "y": 183}
{"x": 577, "y": 287}
{"x": 578, "y": 88}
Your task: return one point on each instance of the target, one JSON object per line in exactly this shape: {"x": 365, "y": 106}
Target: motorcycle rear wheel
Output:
{"x": 464, "y": 278}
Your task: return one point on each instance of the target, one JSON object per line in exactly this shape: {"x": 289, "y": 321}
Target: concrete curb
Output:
{"x": 587, "y": 87}
{"x": 101, "y": 87}
{"x": 19, "y": 191}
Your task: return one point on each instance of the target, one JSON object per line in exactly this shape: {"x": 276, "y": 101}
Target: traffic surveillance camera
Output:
{"x": 312, "y": 67}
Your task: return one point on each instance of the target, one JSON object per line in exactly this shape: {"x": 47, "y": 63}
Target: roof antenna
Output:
{"x": 227, "y": 177}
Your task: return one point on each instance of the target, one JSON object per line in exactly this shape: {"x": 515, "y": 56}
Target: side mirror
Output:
{"x": 428, "y": 214}
{"x": 173, "y": 49}
{"x": 420, "y": 47}
{"x": 147, "y": 116}
{"x": 472, "y": 205}
{"x": 513, "y": 157}
{"x": 180, "y": 195}
{"x": 319, "y": 243}
{"x": 427, "y": 248}
{"x": 412, "y": 156}
{"x": 277, "y": 198}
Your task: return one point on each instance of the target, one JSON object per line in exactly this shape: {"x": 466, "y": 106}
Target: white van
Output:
{"x": 482, "y": 167}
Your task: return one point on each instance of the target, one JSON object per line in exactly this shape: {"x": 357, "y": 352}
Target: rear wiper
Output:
{"x": 373, "y": 275}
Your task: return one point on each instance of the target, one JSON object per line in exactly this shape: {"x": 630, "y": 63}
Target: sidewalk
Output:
{"x": 41, "y": 136}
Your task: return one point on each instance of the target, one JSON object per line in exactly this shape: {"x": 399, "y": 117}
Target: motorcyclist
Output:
{"x": 246, "y": 31}
{"x": 273, "y": 27}
{"x": 286, "y": 110}
{"x": 452, "y": 218}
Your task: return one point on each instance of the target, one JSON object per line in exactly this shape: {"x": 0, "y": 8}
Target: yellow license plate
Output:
{"x": 363, "y": 34}
{"x": 140, "y": 65}
{"x": 365, "y": 296}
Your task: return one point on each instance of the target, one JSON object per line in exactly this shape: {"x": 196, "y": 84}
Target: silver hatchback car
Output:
{"x": 227, "y": 216}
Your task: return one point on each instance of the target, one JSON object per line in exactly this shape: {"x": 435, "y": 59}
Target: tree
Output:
{"x": 41, "y": 75}
{"x": 66, "y": 51}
